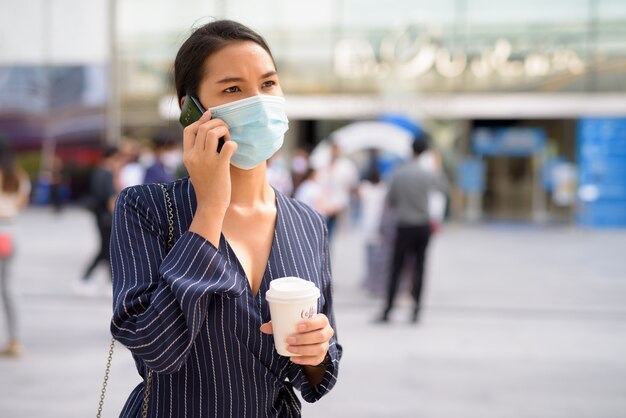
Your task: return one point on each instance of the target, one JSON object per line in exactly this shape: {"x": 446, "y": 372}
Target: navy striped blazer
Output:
{"x": 191, "y": 317}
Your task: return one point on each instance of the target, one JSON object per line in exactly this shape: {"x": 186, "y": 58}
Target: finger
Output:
{"x": 191, "y": 130}
{"x": 319, "y": 321}
{"x": 228, "y": 149}
{"x": 204, "y": 129}
{"x": 212, "y": 137}
{"x": 206, "y": 116}
{"x": 266, "y": 328}
{"x": 311, "y": 337}
{"x": 319, "y": 349}
{"x": 189, "y": 139}
{"x": 307, "y": 360}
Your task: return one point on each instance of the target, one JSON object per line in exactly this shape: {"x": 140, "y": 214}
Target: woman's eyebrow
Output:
{"x": 226, "y": 80}
{"x": 229, "y": 80}
{"x": 269, "y": 74}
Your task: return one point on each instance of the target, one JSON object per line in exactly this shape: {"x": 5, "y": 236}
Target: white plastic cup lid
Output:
{"x": 287, "y": 289}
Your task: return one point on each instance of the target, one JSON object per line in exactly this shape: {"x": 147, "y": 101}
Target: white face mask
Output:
{"x": 257, "y": 124}
{"x": 172, "y": 159}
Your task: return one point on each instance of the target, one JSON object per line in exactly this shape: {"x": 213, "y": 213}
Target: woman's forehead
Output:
{"x": 237, "y": 58}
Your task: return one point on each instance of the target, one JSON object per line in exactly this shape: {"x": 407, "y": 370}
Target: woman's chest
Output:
{"x": 250, "y": 238}
{"x": 244, "y": 315}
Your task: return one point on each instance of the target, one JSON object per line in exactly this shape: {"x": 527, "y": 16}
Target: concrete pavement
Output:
{"x": 520, "y": 322}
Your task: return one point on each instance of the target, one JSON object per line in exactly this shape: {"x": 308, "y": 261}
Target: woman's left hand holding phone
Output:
{"x": 209, "y": 172}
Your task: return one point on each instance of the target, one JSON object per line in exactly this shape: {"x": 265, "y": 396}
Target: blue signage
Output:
{"x": 602, "y": 171}
{"x": 471, "y": 176}
{"x": 513, "y": 142}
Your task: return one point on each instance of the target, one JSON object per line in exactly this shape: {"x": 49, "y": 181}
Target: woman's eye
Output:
{"x": 270, "y": 83}
{"x": 233, "y": 89}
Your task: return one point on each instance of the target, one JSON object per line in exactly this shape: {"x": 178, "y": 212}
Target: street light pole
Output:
{"x": 48, "y": 144}
{"x": 113, "y": 108}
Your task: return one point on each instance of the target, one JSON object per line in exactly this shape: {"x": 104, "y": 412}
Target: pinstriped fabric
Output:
{"x": 190, "y": 315}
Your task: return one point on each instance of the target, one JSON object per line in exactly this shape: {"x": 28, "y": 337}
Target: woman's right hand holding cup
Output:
{"x": 209, "y": 172}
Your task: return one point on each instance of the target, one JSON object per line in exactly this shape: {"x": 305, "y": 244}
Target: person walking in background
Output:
{"x": 431, "y": 161}
{"x": 58, "y": 184}
{"x": 167, "y": 159}
{"x": 339, "y": 180}
{"x": 104, "y": 188}
{"x": 300, "y": 165}
{"x": 14, "y": 192}
{"x": 310, "y": 192}
{"x": 132, "y": 172}
{"x": 372, "y": 193}
{"x": 408, "y": 196}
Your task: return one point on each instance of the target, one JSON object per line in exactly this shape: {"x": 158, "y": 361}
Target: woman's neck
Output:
{"x": 250, "y": 188}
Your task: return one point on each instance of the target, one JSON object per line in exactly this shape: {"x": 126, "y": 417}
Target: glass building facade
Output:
{"x": 73, "y": 73}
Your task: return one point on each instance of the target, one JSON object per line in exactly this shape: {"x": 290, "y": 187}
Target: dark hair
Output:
{"x": 373, "y": 176}
{"x": 204, "y": 42}
{"x": 420, "y": 143}
{"x": 163, "y": 139}
{"x": 310, "y": 172}
{"x": 10, "y": 178}
{"x": 109, "y": 151}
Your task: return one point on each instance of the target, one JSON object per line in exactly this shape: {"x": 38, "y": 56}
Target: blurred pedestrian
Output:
{"x": 339, "y": 180}
{"x": 104, "y": 187}
{"x": 372, "y": 164}
{"x": 190, "y": 296}
{"x": 311, "y": 193}
{"x": 299, "y": 166}
{"x": 167, "y": 159}
{"x": 59, "y": 184}
{"x": 431, "y": 161}
{"x": 409, "y": 197}
{"x": 14, "y": 192}
{"x": 133, "y": 171}
{"x": 372, "y": 193}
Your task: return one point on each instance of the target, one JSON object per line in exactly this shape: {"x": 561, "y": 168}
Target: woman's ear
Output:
{"x": 182, "y": 101}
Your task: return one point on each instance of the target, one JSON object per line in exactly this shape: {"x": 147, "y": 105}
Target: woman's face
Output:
{"x": 237, "y": 71}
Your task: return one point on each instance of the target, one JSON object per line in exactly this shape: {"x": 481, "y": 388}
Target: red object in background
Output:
{"x": 82, "y": 156}
{"x": 6, "y": 245}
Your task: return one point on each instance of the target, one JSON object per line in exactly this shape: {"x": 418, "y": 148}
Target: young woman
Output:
{"x": 196, "y": 316}
{"x": 14, "y": 192}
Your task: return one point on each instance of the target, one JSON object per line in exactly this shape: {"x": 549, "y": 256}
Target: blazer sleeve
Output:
{"x": 160, "y": 300}
{"x": 296, "y": 374}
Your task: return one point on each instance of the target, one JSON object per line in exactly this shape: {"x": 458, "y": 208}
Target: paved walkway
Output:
{"x": 520, "y": 322}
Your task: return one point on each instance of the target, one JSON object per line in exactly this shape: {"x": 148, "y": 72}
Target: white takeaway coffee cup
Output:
{"x": 291, "y": 301}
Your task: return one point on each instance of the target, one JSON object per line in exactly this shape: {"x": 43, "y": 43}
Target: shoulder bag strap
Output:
{"x": 146, "y": 395}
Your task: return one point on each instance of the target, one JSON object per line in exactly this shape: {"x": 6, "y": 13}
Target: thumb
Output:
{"x": 266, "y": 328}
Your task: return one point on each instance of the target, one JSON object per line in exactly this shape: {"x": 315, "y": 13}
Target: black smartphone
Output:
{"x": 192, "y": 111}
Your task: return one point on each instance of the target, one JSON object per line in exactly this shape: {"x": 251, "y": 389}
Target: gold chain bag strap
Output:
{"x": 105, "y": 381}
